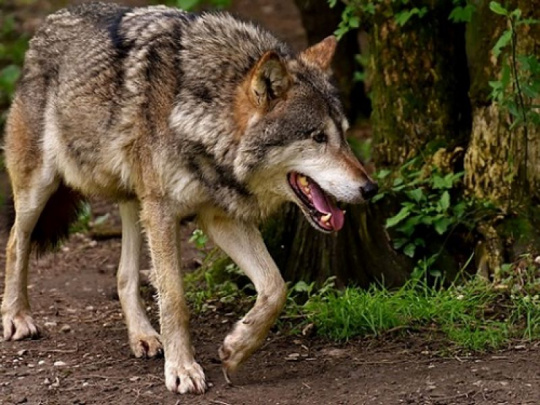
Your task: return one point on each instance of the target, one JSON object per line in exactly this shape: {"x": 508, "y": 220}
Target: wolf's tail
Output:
{"x": 62, "y": 209}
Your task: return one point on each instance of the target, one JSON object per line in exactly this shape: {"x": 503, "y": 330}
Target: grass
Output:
{"x": 475, "y": 316}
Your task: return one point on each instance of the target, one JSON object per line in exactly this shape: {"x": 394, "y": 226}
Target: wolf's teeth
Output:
{"x": 326, "y": 218}
{"x": 344, "y": 212}
{"x": 303, "y": 181}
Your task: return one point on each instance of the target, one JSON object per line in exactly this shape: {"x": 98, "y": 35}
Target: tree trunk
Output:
{"x": 420, "y": 83}
{"x": 502, "y": 164}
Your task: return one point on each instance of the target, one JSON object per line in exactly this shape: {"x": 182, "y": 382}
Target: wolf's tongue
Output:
{"x": 323, "y": 204}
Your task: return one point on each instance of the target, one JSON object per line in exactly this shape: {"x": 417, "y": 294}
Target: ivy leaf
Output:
{"x": 444, "y": 202}
{"x": 409, "y": 250}
{"x": 462, "y": 14}
{"x": 400, "y": 216}
{"x": 403, "y": 16}
{"x": 441, "y": 225}
{"x": 441, "y": 183}
{"x": 416, "y": 194}
{"x": 383, "y": 173}
{"x": 497, "y": 8}
{"x": 502, "y": 42}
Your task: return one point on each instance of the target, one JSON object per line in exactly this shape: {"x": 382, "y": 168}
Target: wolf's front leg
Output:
{"x": 244, "y": 244}
{"x": 182, "y": 373}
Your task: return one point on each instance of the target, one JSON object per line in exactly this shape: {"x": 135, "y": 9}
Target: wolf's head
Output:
{"x": 292, "y": 137}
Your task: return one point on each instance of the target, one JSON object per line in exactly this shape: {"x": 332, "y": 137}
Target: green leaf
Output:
{"x": 416, "y": 194}
{"x": 444, "y": 202}
{"x": 497, "y": 8}
{"x": 409, "y": 250}
{"x": 383, "y": 173}
{"x": 377, "y": 197}
{"x": 400, "y": 216}
{"x": 399, "y": 242}
{"x": 354, "y": 22}
{"x": 187, "y": 4}
{"x": 8, "y": 77}
{"x": 441, "y": 183}
{"x": 462, "y": 14}
{"x": 502, "y": 42}
{"x": 408, "y": 227}
{"x": 441, "y": 225}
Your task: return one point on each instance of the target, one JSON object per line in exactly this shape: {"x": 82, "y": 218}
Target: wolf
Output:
{"x": 173, "y": 115}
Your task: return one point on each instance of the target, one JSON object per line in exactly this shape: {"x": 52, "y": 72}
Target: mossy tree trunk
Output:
{"x": 420, "y": 84}
{"x": 502, "y": 163}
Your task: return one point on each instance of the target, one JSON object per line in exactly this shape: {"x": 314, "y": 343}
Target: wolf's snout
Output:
{"x": 369, "y": 190}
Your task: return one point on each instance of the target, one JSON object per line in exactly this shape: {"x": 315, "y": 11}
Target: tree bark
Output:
{"x": 420, "y": 82}
{"x": 502, "y": 164}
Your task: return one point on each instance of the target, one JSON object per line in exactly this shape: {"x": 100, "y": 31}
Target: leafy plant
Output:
{"x": 190, "y": 5}
{"x": 13, "y": 45}
{"x": 427, "y": 204}
{"x": 518, "y": 88}
{"x": 462, "y": 12}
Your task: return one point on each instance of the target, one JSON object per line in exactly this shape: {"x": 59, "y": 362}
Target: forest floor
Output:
{"x": 84, "y": 357}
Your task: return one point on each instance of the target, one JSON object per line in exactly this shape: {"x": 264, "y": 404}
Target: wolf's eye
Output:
{"x": 320, "y": 137}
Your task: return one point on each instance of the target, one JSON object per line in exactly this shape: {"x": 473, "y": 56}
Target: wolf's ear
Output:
{"x": 269, "y": 80}
{"x": 321, "y": 54}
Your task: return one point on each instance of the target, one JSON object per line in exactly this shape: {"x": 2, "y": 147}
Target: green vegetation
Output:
{"x": 518, "y": 88}
{"x": 474, "y": 315}
{"x": 12, "y": 48}
{"x": 190, "y": 5}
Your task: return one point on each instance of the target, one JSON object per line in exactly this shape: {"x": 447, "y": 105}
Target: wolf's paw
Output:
{"x": 185, "y": 378}
{"x": 238, "y": 346}
{"x": 20, "y": 326}
{"x": 146, "y": 345}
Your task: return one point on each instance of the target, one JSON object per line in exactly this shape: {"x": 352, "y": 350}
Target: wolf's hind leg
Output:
{"x": 29, "y": 203}
{"x": 244, "y": 244}
{"x": 143, "y": 339}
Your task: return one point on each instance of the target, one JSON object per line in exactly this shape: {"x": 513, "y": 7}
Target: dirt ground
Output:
{"x": 84, "y": 357}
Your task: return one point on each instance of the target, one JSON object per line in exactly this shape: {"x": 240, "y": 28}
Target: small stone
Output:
{"x": 293, "y": 357}
{"x": 134, "y": 378}
{"x": 65, "y": 329}
{"x": 46, "y": 381}
{"x": 50, "y": 324}
{"x": 41, "y": 362}
{"x": 59, "y": 364}
{"x": 22, "y": 352}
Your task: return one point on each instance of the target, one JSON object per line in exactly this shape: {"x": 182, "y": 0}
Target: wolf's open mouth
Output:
{"x": 321, "y": 207}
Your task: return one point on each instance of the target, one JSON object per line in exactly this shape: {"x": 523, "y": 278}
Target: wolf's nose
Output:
{"x": 369, "y": 190}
